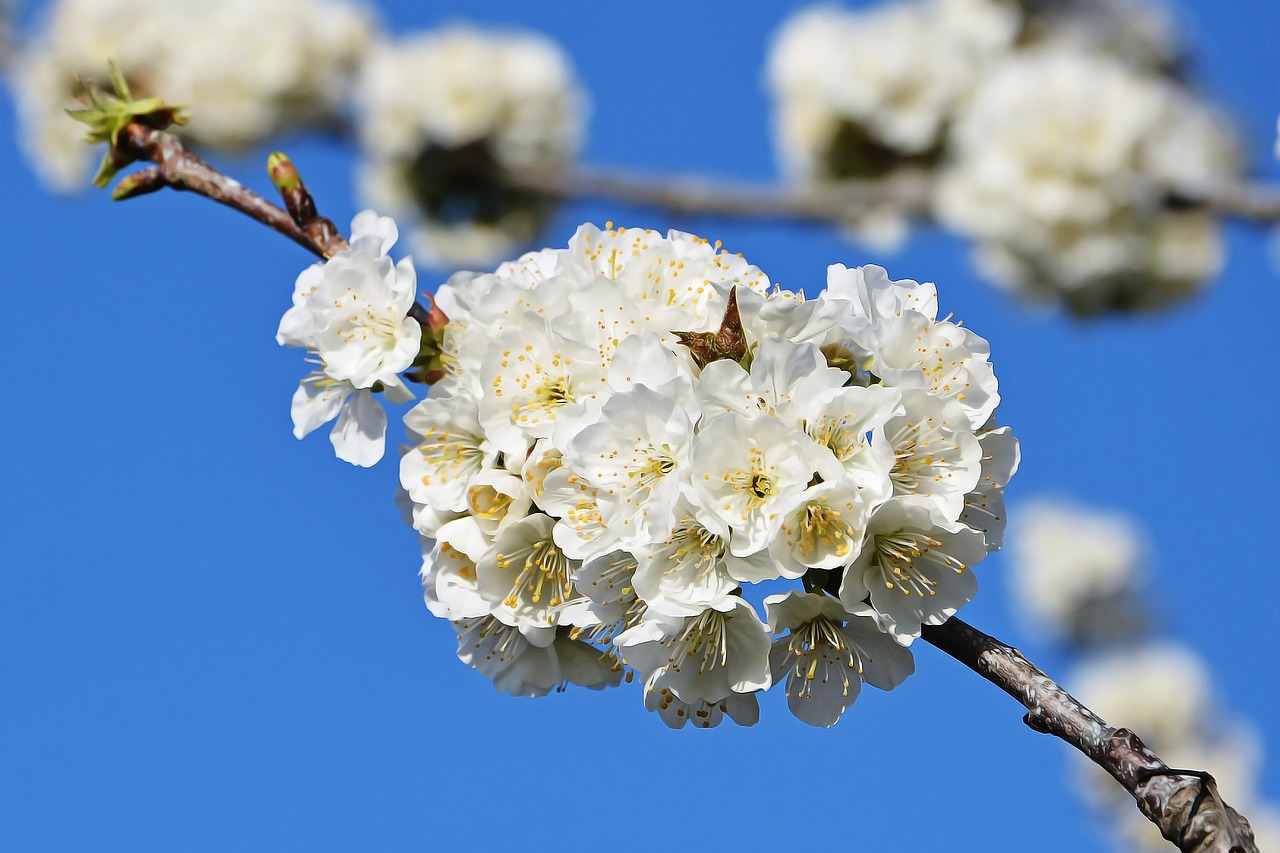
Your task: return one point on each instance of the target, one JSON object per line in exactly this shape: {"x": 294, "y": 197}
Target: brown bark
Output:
{"x": 178, "y": 168}
{"x": 1183, "y": 804}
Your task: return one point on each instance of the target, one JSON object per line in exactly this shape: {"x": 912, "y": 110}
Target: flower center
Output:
{"x": 658, "y": 463}
{"x": 810, "y": 645}
{"x": 488, "y": 503}
{"x": 544, "y": 572}
{"x": 832, "y": 434}
{"x": 616, "y": 579}
{"x": 447, "y": 454}
{"x": 821, "y": 524}
{"x": 553, "y": 392}
{"x": 704, "y": 641}
{"x": 757, "y": 485}
{"x": 903, "y": 556}
{"x": 696, "y": 548}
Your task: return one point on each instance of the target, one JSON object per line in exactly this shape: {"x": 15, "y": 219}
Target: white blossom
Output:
{"x": 608, "y": 603}
{"x": 783, "y": 377}
{"x": 915, "y": 568}
{"x": 846, "y": 423}
{"x": 450, "y": 451}
{"x": 707, "y": 657}
{"x": 524, "y": 667}
{"x": 351, "y": 313}
{"x": 636, "y": 455}
{"x": 826, "y": 654}
{"x": 245, "y": 69}
{"x": 526, "y": 578}
{"x": 936, "y": 455}
{"x": 742, "y": 708}
{"x": 984, "y": 508}
{"x": 692, "y": 568}
{"x": 449, "y": 582}
{"x": 748, "y": 474}
{"x": 359, "y": 434}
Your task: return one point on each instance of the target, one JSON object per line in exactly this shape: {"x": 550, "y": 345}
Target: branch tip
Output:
{"x": 141, "y": 182}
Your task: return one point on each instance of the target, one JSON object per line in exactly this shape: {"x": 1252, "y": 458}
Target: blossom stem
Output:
{"x": 907, "y": 191}
{"x": 1183, "y": 804}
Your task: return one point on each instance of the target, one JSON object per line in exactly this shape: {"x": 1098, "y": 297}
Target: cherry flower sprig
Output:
{"x": 1184, "y": 804}
{"x": 350, "y": 371}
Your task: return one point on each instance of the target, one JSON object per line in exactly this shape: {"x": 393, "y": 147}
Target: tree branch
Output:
{"x": 1253, "y": 202}
{"x": 1183, "y": 804}
{"x": 178, "y": 168}
{"x": 907, "y": 191}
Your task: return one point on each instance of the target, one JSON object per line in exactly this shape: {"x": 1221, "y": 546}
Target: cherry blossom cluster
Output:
{"x": 1055, "y": 135}
{"x": 635, "y": 438}
{"x": 444, "y": 115}
{"x": 251, "y": 68}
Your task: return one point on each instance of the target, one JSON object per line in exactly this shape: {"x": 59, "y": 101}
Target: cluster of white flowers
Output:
{"x": 352, "y": 314}
{"x": 1053, "y": 131}
{"x": 1079, "y": 177}
{"x": 1077, "y": 572}
{"x": 843, "y": 78}
{"x": 860, "y": 93}
{"x": 633, "y": 430}
{"x": 444, "y": 114}
{"x": 246, "y": 68}
{"x": 1165, "y": 693}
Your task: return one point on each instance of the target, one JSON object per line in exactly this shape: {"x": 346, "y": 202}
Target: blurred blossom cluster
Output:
{"x": 1079, "y": 575}
{"x": 251, "y": 68}
{"x": 1060, "y": 140}
{"x": 444, "y": 116}
{"x": 633, "y": 432}
{"x": 1079, "y": 178}
{"x": 861, "y": 94}
{"x": 1078, "y": 578}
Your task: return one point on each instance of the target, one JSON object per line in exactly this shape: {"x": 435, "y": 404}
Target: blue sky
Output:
{"x": 212, "y": 635}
